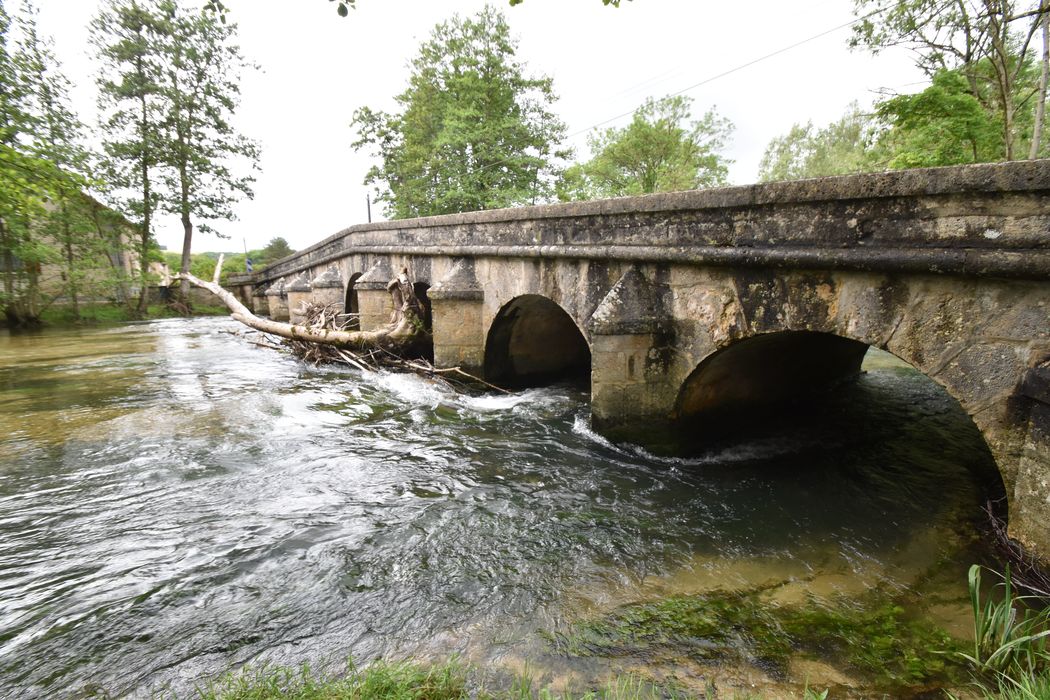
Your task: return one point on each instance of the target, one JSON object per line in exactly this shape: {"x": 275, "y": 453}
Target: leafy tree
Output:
{"x": 199, "y": 94}
{"x": 942, "y": 125}
{"x": 58, "y": 138}
{"x": 37, "y": 153}
{"x": 661, "y": 150}
{"x": 840, "y": 148}
{"x": 1044, "y": 78}
{"x": 127, "y": 40}
{"x": 18, "y": 171}
{"x": 474, "y": 132}
{"x": 276, "y": 249}
{"x": 344, "y": 6}
{"x": 986, "y": 41}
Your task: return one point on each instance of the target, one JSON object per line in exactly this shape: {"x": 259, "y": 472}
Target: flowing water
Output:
{"x": 175, "y": 502}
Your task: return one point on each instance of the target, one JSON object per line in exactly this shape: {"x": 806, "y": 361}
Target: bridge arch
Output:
{"x": 765, "y": 370}
{"x": 351, "y": 305}
{"x": 420, "y": 289}
{"x": 534, "y": 341}
{"x": 767, "y": 376}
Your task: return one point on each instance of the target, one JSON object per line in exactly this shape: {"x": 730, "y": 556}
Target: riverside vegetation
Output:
{"x": 894, "y": 653}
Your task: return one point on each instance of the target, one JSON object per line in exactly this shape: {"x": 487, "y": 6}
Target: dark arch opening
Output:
{"x": 532, "y": 342}
{"x": 759, "y": 374}
{"x": 420, "y": 290}
{"x": 818, "y": 393}
{"x": 351, "y": 306}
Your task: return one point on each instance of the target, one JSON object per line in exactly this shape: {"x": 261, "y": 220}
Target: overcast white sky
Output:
{"x": 316, "y": 69}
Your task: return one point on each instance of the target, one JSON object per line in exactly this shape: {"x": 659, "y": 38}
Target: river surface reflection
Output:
{"x": 175, "y": 502}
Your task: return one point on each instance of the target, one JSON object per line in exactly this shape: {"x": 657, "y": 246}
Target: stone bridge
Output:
{"x": 688, "y": 308}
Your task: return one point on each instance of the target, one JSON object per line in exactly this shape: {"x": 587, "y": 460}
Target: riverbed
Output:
{"x": 176, "y": 502}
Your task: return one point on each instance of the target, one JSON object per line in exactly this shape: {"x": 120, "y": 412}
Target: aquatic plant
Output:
{"x": 1023, "y": 688}
{"x": 877, "y": 640}
{"x": 452, "y": 680}
{"x": 1010, "y": 638}
{"x": 380, "y": 680}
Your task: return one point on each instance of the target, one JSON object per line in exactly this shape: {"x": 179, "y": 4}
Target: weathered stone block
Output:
{"x": 459, "y": 338}
{"x": 375, "y": 307}
{"x": 1030, "y": 511}
{"x": 298, "y": 294}
{"x": 327, "y": 289}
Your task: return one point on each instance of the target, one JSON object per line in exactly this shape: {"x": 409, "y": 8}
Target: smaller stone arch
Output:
{"x": 351, "y": 305}
{"x": 420, "y": 289}
{"x": 533, "y": 341}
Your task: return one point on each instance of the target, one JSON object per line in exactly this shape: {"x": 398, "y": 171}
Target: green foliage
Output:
{"x": 44, "y": 217}
{"x": 69, "y": 219}
{"x": 1010, "y": 639}
{"x": 171, "y": 86}
{"x": 406, "y": 681}
{"x": 473, "y": 131}
{"x": 199, "y": 96}
{"x": 841, "y": 148}
{"x": 942, "y": 125}
{"x": 344, "y": 6}
{"x": 386, "y": 681}
{"x": 1035, "y": 687}
{"x": 661, "y": 150}
{"x": 276, "y": 249}
{"x": 878, "y": 640}
{"x": 986, "y": 43}
{"x": 126, "y": 36}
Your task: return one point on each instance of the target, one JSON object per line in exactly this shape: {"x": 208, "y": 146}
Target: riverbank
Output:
{"x": 100, "y": 314}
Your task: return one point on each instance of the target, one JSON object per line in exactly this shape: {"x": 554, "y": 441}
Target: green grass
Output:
{"x": 1009, "y": 637}
{"x": 452, "y": 680}
{"x": 1031, "y": 687}
{"x": 389, "y": 681}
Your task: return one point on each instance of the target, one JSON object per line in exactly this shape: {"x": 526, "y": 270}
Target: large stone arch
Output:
{"x": 978, "y": 338}
{"x": 533, "y": 340}
{"x": 739, "y": 381}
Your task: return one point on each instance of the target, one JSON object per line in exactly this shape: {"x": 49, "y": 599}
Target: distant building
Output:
{"x": 106, "y": 268}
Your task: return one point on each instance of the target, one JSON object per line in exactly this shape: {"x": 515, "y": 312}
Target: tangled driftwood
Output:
{"x": 403, "y": 344}
{"x": 405, "y": 336}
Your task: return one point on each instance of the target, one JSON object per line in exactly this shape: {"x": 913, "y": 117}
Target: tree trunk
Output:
{"x": 9, "y": 274}
{"x": 143, "y": 303}
{"x": 144, "y": 134}
{"x": 71, "y": 283}
{"x": 405, "y": 336}
{"x": 144, "y": 234}
{"x": 187, "y": 240}
{"x": 1040, "y": 106}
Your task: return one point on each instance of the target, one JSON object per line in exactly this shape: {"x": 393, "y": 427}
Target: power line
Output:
{"x": 736, "y": 69}
{"x": 710, "y": 79}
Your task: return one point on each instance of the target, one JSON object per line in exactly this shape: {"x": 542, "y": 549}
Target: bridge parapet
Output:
{"x": 979, "y": 220}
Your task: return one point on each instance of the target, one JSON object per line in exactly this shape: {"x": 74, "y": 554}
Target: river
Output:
{"x": 176, "y": 502}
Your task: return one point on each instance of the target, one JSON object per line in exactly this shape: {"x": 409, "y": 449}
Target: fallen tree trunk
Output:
{"x": 405, "y": 336}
